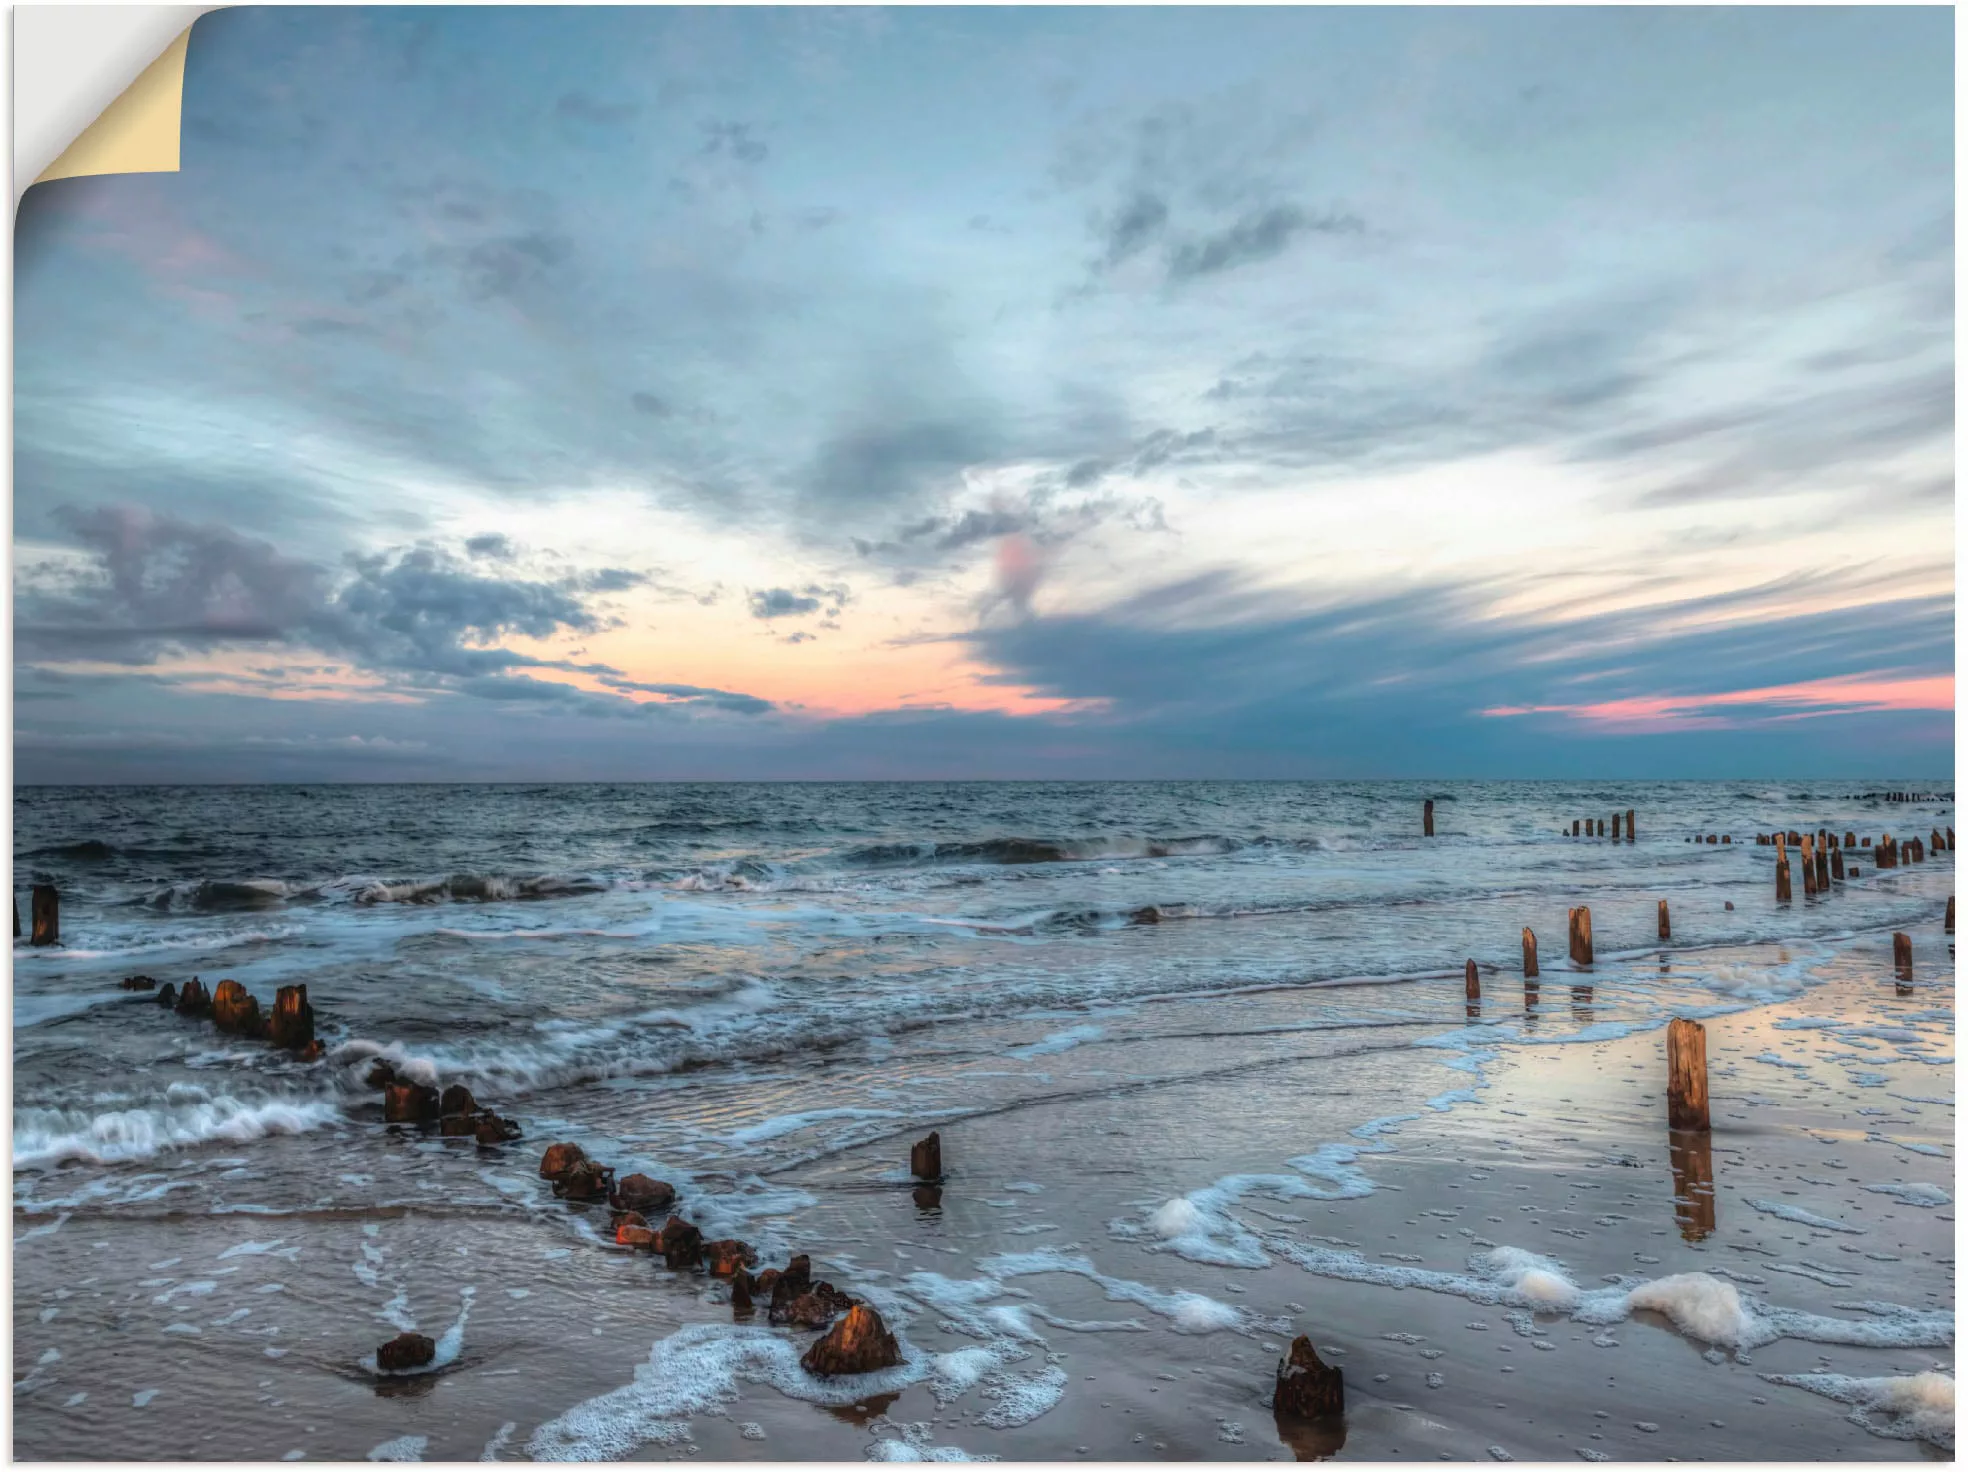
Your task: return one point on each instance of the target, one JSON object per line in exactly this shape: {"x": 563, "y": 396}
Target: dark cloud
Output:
{"x": 650, "y": 404}
{"x": 734, "y": 140}
{"x": 513, "y": 265}
{"x": 491, "y": 546}
{"x": 1257, "y": 236}
{"x": 785, "y": 603}
{"x": 1132, "y": 228}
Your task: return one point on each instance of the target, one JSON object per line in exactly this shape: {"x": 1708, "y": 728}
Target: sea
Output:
{"x": 1155, "y": 1024}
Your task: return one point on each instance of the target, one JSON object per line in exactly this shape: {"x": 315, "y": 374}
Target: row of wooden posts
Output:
{"x": 1580, "y": 826}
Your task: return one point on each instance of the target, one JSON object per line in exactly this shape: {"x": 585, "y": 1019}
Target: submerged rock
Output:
{"x": 559, "y": 1160}
{"x": 406, "y": 1352}
{"x": 727, "y": 1257}
{"x": 585, "y": 1181}
{"x": 494, "y": 1129}
{"x": 857, "y": 1345}
{"x": 637, "y": 1233}
{"x": 1308, "y": 1387}
{"x": 311, "y": 1053}
{"x": 741, "y": 1294}
{"x": 680, "y": 1243}
{"x": 136, "y": 983}
{"x": 816, "y": 1308}
{"x": 235, "y": 1010}
{"x": 167, "y": 996}
{"x": 409, "y": 1103}
{"x": 644, "y": 1194}
{"x": 457, "y": 1099}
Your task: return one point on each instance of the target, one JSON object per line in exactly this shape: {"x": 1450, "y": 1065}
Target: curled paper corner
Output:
{"x": 78, "y": 57}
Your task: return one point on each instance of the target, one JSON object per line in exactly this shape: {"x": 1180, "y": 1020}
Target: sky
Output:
{"x": 615, "y": 394}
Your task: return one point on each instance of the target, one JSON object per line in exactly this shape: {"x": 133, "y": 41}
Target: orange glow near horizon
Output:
{"x": 1843, "y": 695}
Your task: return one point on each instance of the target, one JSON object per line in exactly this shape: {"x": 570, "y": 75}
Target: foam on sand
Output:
{"x": 1699, "y": 1306}
{"x": 401, "y": 1449}
{"x": 697, "y": 1370}
{"x": 1903, "y": 1407}
{"x": 1916, "y": 1193}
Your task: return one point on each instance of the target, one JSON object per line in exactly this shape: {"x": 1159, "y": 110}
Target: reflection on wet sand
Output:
{"x": 1312, "y": 1441}
{"x": 1694, "y": 1183}
{"x": 862, "y": 1412}
{"x": 1582, "y": 1005}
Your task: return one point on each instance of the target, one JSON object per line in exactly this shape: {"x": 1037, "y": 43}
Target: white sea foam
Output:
{"x": 46, "y": 1137}
{"x": 786, "y": 1124}
{"x": 1802, "y": 1217}
{"x": 1905, "y": 1407}
{"x": 694, "y": 1371}
{"x": 1916, "y": 1193}
{"x": 1700, "y": 1306}
{"x": 1058, "y": 1042}
{"x": 400, "y": 1449}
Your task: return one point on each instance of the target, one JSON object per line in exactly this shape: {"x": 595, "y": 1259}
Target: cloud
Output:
{"x": 580, "y": 107}
{"x": 771, "y": 603}
{"x": 1132, "y": 228}
{"x": 1257, "y": 236}
{"x": 491, "y": 545}
{"x": 735, "y": 141}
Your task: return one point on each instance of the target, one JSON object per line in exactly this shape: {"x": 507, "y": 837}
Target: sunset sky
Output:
{"x": 619, "y": 393}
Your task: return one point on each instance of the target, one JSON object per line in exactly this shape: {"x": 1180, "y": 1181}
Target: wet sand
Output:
{"x": 1068, "y": 1326}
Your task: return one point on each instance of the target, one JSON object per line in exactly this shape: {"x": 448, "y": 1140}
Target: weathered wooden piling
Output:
{"x": 1810, "y": 868}
{"x": 1602, "y": 827}
{"x": 1629, "y": 825}
{"x": 1575, "y": 827}
{"x": 1851, "y": 839}
{"x": 1903, "y": 955}
{"x": 1687, "y": 1075}
{"x": 926, "y": 1157}
{"x": 45, "y": 917}
{"x": 1579, "y": 933}
{"x": 16, "y": 917}
{"x": 1711, "y": 838}
{"x": 1950, "y": 838}
{"x": 1948, "y": 924}
{"x": 1308, "y": 1387}
{"x": 292, "y": 1022}
{"x": 1934, "y": 841}
{"x": 1530, "y": 954}
{"x": 1665, "y": 930}
{"x": 1783, "y": 872}
{"x": 1838, "y": 863}
{"x": 1616, "y": 827}
{"x": 1472, "y": 989}
{"x": 1822, "y": 859}
{"x": 1428, "y": 818}
{"x": 235, "y": 1010}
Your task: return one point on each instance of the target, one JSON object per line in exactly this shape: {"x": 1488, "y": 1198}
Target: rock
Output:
{"x": 292, "y": 1023}
{"x": 458, "y": 1126}
{"x": 193, "y": 999}
{"x": 1308, "y": 1388}
{"x": 494, "y": 1129}
{"x": 764, "y": 1284}
{"x": 727, "y": 1257}
{"x": 380, "y": 1076}
{"x": 1146, "y": 915}
{"x": 167, "y": 996}
{"x": 409, "y": 1103}
{"x": 312, "y": 1052}
{"x": 798, "y": 1274}
{"x": 406, "y": 1352}
{"x": 857, "y": 1345}
{"x": 926, "y": 1158}
{"x": 627, "y": 1219}
{"x": 559, "y": 1160}
{"x": 741, "y": 1294}
{"x": 457, "y": 1099}
{"x": 680, "y": 1243}
{"x": 644, "y": 1194}
{"x": 138, "y": 983}
{"x": 235, "y": 1010}
{"x": 816, "y": 1308}
{"x": 585, "y": 1181}
{"x": 636, "y": 1234}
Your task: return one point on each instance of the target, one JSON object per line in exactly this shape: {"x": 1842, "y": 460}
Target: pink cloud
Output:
{"x": 1844, "y": 695}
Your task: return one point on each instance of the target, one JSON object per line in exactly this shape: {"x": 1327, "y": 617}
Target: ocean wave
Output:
{"x": 219, "y": 894}
{"x": 209, "y": 895}
{"x": 1020, "y": 851}
{"x": 186, "y": 1117}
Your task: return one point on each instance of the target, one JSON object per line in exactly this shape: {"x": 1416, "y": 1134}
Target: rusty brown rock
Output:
{"x": 559, "y": 1160}
{"x": 406, "y": 1352}
{"x": 798, "y": 1272}
{"x": 741, "y": 1294}
{"x": 727, "y": 1257}
{"x": 630, "y": 1234}
{"x": 1308, "y": 1388}
{"x": 766, "y": 1283}
{"x": 380, "y": 1076}
{"x": 405, "y": 1103}
{"x": 292, "y": 1022}
{"x": 645, "y": 1194}
{"x": 816, "y": 1308}
{"x": 495, "y": 1129}
{"x": 857, "y": 1345}
{"x": 926, "y": 1158}
{"x": 458, "y": 1126}
{"x": 457, "y": 1099}
{"x": 680, "y": 1243}
{"x": 585, "y": 1181}
{"x": 235, "y": 1010}
{"x": 193, "y": 999}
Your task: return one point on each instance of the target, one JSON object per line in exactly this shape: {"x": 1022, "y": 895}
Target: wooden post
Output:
{"x": 1687, "y": 1075}
{"x": 1934, "y": 841}
{"x": 1950, "y": 840}
{"x": 1948, "y": 924}
{"x": 1823, "y": 860}
{"x": 1810, "y": 868}
{"x": 1602, "y": 827}
{"x": 1903, "y": 955}
{"x": 1580, "y": 935}
{"x": 1783, "y": 872}
{"x": 926, "y": 1158}
{"x": 1629, "y": 825}
{"x": 1307, "y": 1388}
{"x": 46, "y": 917}
{"x": 1666, "y": 933}
{"x": 1531, "y": 952}
{"x": 1428, "y": 818}
{"x": 1616, "y": 827}
{"x": 1851, "y": 839}
{"x": 1471, "y": 988}
{"x": 1838, "y": 863}
{"x": 16, "y": 917}
{"x": 1575, "y": 827}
